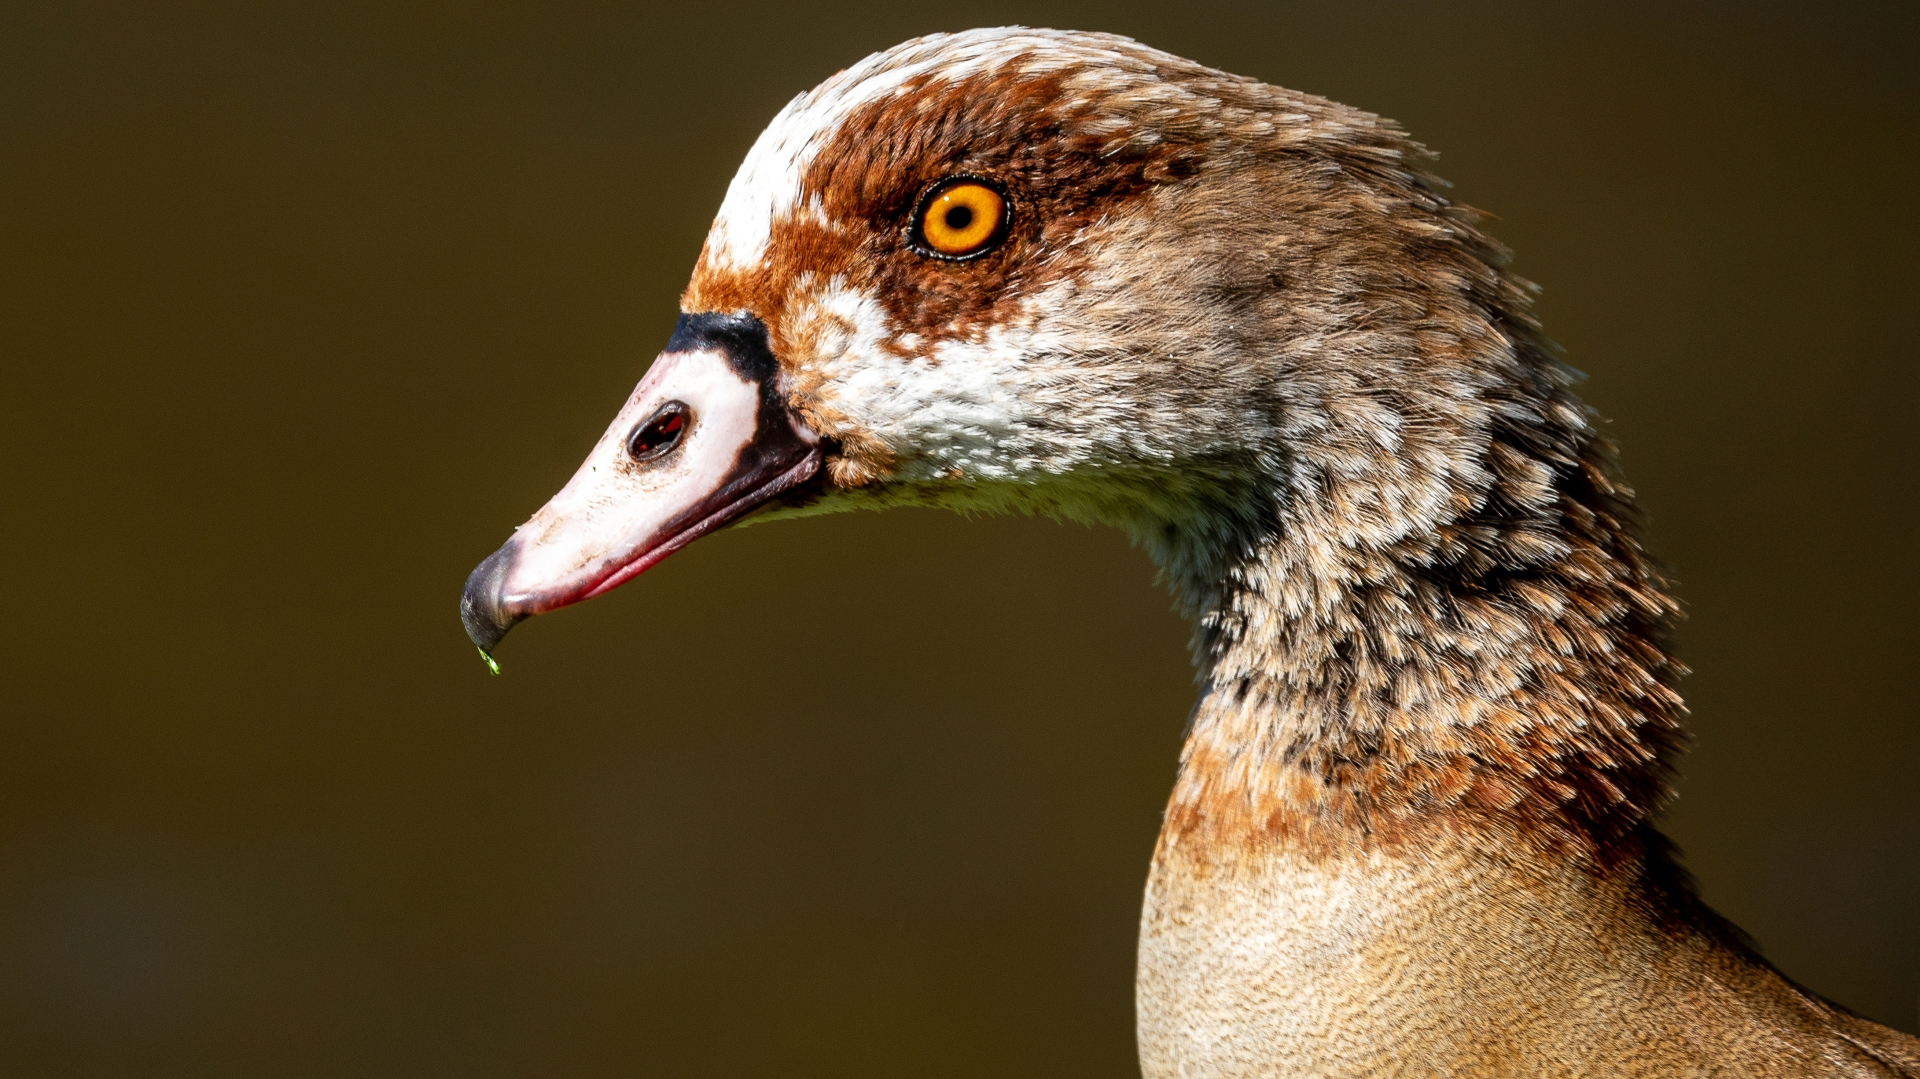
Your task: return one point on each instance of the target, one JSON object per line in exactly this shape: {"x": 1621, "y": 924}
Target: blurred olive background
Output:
{"x": 305, "y": 306}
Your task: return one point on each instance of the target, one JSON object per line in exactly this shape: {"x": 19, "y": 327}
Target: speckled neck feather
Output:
{"x": 1444, "y": 613}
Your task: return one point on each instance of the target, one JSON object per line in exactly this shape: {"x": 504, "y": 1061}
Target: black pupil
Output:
{"x": 959, "y": 217}
{"x": 658, "y": 434}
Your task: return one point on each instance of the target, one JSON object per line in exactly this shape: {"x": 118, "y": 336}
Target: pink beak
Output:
{"x": 705, "y": 439}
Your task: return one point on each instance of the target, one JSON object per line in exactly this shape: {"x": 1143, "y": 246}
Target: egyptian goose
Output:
{"x": 1064, "y": 273}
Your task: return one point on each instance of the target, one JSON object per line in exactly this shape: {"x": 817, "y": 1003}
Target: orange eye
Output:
{"x": 961, "y": 218}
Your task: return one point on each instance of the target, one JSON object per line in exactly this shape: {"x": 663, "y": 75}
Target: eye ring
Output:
{"x": 959, "y": 218}
{"x": 658, "y": 434}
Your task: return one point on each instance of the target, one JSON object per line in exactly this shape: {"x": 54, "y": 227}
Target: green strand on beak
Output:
{"x": 492, "y": 665}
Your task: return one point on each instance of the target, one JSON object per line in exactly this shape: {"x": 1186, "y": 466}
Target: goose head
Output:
{"x": 1065, "y": 273}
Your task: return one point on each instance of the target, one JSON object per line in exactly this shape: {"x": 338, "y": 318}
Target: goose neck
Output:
{"x": 1354, "y": 695}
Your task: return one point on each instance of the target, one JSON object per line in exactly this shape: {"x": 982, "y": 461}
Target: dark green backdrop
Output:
{"x": 305, "y": 306}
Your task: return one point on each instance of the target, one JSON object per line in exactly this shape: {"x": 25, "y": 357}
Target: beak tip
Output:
{"x": 483, "y": 608}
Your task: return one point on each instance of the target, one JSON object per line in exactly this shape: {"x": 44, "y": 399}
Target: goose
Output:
{"x": 1064, "y": 273}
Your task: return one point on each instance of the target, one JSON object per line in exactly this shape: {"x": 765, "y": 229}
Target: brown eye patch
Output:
{"x": 1047, "y": 150}
{"x": 958, "y": 218}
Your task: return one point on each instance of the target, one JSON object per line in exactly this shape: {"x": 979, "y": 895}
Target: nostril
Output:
{"x": 659, "y": 433}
